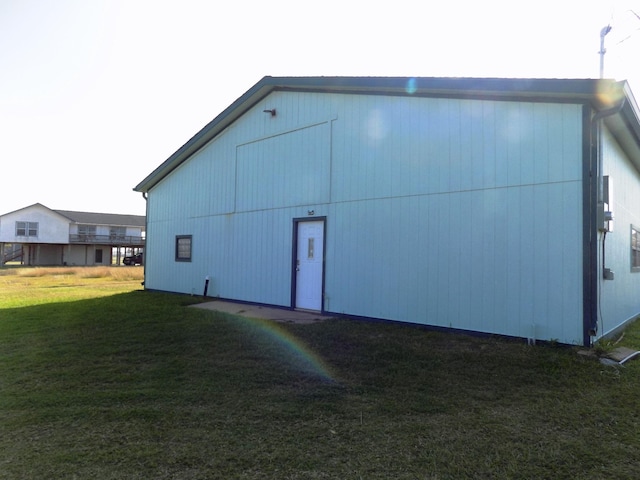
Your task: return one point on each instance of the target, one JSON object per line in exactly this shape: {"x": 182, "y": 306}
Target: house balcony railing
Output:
{"x": 115, "y": 240}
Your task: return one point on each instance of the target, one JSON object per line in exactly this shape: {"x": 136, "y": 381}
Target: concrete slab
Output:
{"x": 266, "y": 313}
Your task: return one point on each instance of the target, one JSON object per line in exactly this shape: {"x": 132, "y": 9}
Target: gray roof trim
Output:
{"x": 625, "y": 125}
{"x": 90, "y": 218}
{"x": 113, "y": 219}
{"x": 213, "y": 128}
{"x": 30, "y": 206}
{"x": 600, "y": 93}
{"x": 631, "y": 113}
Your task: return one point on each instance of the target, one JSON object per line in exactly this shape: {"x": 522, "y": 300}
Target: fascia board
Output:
{"x": 37, "y": 206}
{"x": 207, "y": 133}
{"x": 625, "y": 125}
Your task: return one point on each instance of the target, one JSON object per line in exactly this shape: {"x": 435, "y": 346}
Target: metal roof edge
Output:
{"x": 98, "y": 218}
{"x": 631, "y": 111}
{"x": 209, "y": 131}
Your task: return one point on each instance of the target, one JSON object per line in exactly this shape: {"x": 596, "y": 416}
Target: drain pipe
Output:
{"x": 596, "y": 127}
{"x": 597, "y": 124}
{"x": 144, "y": 252}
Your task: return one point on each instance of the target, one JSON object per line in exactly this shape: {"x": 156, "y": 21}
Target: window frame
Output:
{"x": 84, "y": 229}
{"x": 178, "y": 256}
{"x": 634, "y": 248}
{"x": 117, "y": 233}
{"x": 87, "y": 232}
{"x": 29, "y": 229}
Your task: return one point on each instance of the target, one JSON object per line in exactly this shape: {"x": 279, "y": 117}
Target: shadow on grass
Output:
{"x": 137, "y": 385}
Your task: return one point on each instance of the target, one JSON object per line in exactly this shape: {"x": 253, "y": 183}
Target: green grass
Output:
{"x": 105, "y": 381}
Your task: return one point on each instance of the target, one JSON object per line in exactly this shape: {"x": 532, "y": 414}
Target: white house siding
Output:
{"x": 619, "y": 296}
{"x": 78, "y": 254}
{"x": 42, "y": 254}
{"x": 71, "y": 255}
{"x": 86, "y": 254}
{"x": 51, "y": 228}
{"x": 437, "y": 210}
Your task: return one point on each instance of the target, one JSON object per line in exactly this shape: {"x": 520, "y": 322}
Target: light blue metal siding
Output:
{"x": 251, "y": 257}
{"x": 460, "y": 213}
{"x": 238, "y": 215}
{"x": 202, "y": 186}
{"x": 162, "y": 272}
{"x": 620, "y": 298}
{"x": 449, "y": 212}
{"x": 284, "y": 170}
{"x": 472, "y": 260}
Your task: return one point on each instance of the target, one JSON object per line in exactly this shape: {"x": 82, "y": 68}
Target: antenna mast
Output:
{"x": 603, "y": 33}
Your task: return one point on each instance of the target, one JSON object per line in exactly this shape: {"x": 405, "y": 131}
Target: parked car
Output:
{"x": 133, "y": 260}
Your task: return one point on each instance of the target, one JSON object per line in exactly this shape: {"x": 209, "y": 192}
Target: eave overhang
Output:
{"x": 625, "y": 125}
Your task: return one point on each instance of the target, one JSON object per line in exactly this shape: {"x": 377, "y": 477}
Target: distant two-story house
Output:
{"x": 37, "y": 235}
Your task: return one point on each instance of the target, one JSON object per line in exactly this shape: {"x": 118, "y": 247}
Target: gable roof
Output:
{"x": 35, "y": 205}
{"x": 601, "y": 94}
{"x": 92, "y": 218}
{"x": 104, "y": 218}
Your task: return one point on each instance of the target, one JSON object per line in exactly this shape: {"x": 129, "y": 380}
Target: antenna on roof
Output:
{"x": 603, "y": 33}
{"x": 630, "y": 35}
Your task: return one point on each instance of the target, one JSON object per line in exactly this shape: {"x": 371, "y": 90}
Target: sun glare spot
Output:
{"x": 607, "y": 94}
{"x": 412, "y": 86}
{"x": 376, "y": 125}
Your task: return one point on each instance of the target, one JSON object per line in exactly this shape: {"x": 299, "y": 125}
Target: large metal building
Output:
{"x": 502, "y": 206}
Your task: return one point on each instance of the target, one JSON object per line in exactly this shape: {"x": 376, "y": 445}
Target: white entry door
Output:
{"x": 309, "y": 265}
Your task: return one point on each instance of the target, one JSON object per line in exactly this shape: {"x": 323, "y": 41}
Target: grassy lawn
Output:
{"x": 101, "y": 380}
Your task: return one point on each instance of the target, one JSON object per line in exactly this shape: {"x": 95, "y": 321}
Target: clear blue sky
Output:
{"x": 94, "y": 94}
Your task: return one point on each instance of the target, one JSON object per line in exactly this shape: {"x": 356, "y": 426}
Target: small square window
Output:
{"x": 183, "y": 248}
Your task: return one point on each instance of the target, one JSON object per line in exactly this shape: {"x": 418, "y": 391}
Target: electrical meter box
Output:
{"x": 605, "y": 208}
